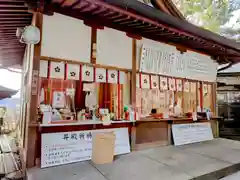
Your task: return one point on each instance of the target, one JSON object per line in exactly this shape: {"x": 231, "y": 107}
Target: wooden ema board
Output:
{"x": 148, "y": 99}
{"x": 188, "y": 101}
{"x": 207, "y": 96}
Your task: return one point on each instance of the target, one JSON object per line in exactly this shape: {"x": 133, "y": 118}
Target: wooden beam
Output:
{"x": 12, "y": 28}
{"x": 12, "y": 47}
{"x": 8, "y": 33}
{"x": 12, "y": 44}
{"x": 20, "y": 46}
{"x": 13, "y": 1}
{"x": 93, "y": 45}
{"x": 11, "y": 6}
{"x": 10, "y": 53}
{"x": 13, "y": 24}
{"x": 13, "y": 18}
{"x": 23, "y": 21}
{"x": 15, "y": 15}
{"x": 10, "y": 39}
{"x": 31, "y": 132}
{"x": 13, "y": 10}
{"x": 133, "y": 74}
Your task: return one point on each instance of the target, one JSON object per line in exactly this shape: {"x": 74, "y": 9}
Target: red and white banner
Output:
{"x": 100, "y": 75}
{"x": 186, "y": 87}
{"x": 163, "y": 83}
{"x": 112, "y": 76}
{"x": 179, "y": 85}
{"x": 145, "y": 81}
{"x": 154, "y": 82}
{"x": 193, "y": 87}
{"x": 88, "y": 73}
{"x": 43, "y": 70}
{"x": 72, "y": 71}
{"x": 172, "y": 84}
{"x": 57, "y": 70}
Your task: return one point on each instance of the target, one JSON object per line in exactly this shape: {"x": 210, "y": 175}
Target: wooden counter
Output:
{"x": 151, "y": 132}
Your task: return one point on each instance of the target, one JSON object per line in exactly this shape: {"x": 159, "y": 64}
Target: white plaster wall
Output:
{"x": 114, "y": 48}
{"x": 66, "y": 37}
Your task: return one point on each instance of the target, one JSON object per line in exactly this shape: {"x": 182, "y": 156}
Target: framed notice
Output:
{"x": 69, "y": 147}
{"x": 191, "y": 133}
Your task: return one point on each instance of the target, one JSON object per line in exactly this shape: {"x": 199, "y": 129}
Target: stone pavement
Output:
{"x": 235, "y": 176}
{"x": 201, "y": 161}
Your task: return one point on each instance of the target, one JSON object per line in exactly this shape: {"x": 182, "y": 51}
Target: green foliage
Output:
{"x": 209, "y": 14}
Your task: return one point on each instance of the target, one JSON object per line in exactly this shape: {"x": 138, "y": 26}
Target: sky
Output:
{"x": 233, "y": 22}
{"x": 10, "y": 80}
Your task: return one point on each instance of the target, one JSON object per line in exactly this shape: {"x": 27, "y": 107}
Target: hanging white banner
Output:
{"x": 166, "y": 61}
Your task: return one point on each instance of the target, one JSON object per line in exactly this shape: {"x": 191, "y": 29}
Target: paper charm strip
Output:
{"x": 179, "y": 85}
{"x": 205, "y": 89}
{"x": 154, "y": 82}
{"x": 186, "y": 87}
{"x": 145, "y": 81}
{"x": 122, "y": 77}
{"x": 101, "y": 75}
{"x": 163, "y": 83}
{"x": 87, "y": 73}
{"x": 43, "y": 68}
{"x": 172, "y": 84}
{"x": 73, "y": 71}
{"x": 112, "y": 76}
{"x": 138, "y": 80}
{"x": 209, "y": 88}
{"x": 193, "y": 87}
{"x": 57, "y": 70}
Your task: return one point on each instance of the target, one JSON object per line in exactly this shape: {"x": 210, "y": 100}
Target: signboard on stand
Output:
{"x": 191, "y": 133}
{"x": 68, "y": 147}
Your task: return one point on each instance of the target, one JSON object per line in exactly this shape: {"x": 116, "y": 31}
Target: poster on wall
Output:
{"x": 69, "y": 147}
{"x": 191, "y": 133}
